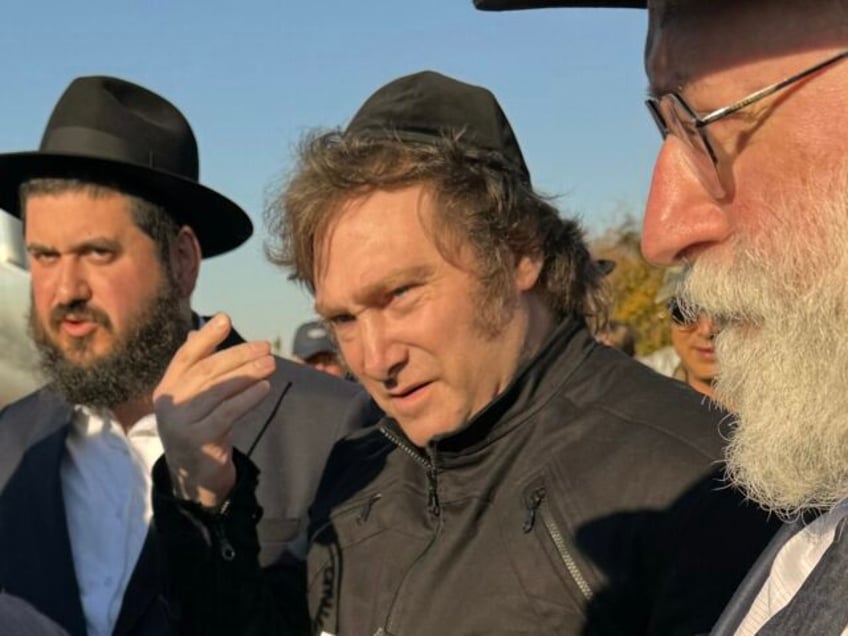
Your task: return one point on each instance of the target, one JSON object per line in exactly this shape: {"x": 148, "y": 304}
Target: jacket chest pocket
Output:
{"x": 357, "y": 558}
{"x": 554, "y": 574}
{"x": 328, "y": 545}
{"x": 344, "y": 527}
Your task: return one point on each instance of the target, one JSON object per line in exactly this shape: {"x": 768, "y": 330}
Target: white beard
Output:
{"x": 779, "y": 294}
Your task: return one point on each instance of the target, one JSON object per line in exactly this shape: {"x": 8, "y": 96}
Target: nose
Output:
{"x": 704, "y": 327}
{"x": 681, "y": 217}
{"x": 382, "y": 354}
{"x": 72, "y": 285}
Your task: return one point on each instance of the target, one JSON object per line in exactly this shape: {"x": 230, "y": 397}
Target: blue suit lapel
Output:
{"x": 34, "y": 543}
{"x": 138, "y": 615}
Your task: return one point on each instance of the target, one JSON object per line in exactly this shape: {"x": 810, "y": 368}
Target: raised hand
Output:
{"x": 201, "y": 395}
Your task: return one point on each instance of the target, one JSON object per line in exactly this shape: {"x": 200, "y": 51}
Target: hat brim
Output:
{"x": 220, "y": 224}
{"x": 313, "y": 348}
{"x": 511, "y": 5}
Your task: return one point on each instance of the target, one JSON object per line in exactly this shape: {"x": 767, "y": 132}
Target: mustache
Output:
{"x": 79, "y": 310}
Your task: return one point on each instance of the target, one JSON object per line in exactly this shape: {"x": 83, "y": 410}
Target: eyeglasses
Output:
{"x": 674, "y": 116}
{"x": 682, "y": 315}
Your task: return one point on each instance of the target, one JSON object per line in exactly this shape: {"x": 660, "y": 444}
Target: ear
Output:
{"x": 527, "y": 272}
{"x": 185, "y": 261}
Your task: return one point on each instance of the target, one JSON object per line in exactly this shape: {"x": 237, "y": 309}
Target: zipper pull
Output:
{"x": 228, "y": 552}
{"x": 536, "y": 498}
{"x": 365, "y": 511}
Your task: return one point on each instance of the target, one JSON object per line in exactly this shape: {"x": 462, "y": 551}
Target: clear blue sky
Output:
{"x": 253, "y": 76}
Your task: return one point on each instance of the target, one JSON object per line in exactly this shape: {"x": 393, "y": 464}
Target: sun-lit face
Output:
{"x": 765, "y": 151}
{"x": 768, "y": 260}
{"x": 693, "y": 342}
{"x": 93, "y": 271}
{"x": 328, "y": 362}
{"x": 406, "y": 318}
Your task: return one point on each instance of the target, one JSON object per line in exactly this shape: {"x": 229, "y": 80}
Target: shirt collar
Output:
{"x": 90, "y": 421}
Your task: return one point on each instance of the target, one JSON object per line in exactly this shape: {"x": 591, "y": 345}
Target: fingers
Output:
{"x": 203, "y": 392}
{"x": 233, "y": 373}
{"x": 217, "y": 422}
{"x": 222, "y": 374}
{"x": 201, "y": 343}
{"x": 214, "y": 388}
{"x": 201, "y": 378}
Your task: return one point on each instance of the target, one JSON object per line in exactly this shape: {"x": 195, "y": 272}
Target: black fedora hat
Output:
{"x": 509, "y": 5}
{"x": 105, "y": 128}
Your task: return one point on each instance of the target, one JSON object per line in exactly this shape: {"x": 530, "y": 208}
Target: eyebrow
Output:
{"x": 372, "y": 291}
{"x": 664, "y": 88}
{"x": 99, "y": 242}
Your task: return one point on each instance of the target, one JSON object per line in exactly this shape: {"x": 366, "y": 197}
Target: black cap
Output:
{"x": 111, "y": 129}
{"x": 312, "y": 338}
{"x": 423, "y": 106}
{"x": 510, "y": 5}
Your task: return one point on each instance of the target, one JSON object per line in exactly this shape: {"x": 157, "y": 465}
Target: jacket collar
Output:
{"x": 534, "y": 383}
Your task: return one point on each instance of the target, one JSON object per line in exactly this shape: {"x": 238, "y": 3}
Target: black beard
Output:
{"x": 134, "y": 366}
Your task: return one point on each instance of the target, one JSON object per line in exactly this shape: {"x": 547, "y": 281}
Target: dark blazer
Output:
{"x": 289, "y": 436}
{"x": 739, "y": 606}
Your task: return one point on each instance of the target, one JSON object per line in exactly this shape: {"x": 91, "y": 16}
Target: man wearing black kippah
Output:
{"x": 525, "y": 479}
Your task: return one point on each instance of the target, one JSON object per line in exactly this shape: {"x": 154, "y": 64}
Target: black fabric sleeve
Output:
{"x": 212, "y": 582}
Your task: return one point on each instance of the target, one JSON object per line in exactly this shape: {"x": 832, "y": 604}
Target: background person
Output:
{"x": 691, "y": 356}
{"x": 313, "y": 346}
{"x": 692, "y": 335}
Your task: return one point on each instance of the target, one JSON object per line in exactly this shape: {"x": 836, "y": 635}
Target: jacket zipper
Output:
{"x": 429, "y": 465}
{"x": 433, "y": 506}
{"x": 536, "y": 508}
{"x": 394, "y": 439}
{"x": 228, "y": 552}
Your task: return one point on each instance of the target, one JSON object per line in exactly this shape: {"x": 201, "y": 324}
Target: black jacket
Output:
{"x": 583, "y": 500}
{"x": 290, "y": 435}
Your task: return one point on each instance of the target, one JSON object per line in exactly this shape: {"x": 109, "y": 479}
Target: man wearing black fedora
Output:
{"x": 116, "y": 223}
{"x": 525, "y": 480}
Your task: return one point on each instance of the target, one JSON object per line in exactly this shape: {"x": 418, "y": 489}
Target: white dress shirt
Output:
{"x": 791, "y": 567}
{"x": 106, "y": 489}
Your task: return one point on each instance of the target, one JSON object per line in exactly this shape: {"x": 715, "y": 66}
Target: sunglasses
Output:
{"x": 683, "y": 315}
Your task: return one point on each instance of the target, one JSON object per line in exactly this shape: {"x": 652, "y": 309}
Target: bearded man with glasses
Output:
{"x": 750, "y": 190}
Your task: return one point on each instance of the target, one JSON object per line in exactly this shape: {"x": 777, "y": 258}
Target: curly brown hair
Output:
{"x": 480, "y": 200}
